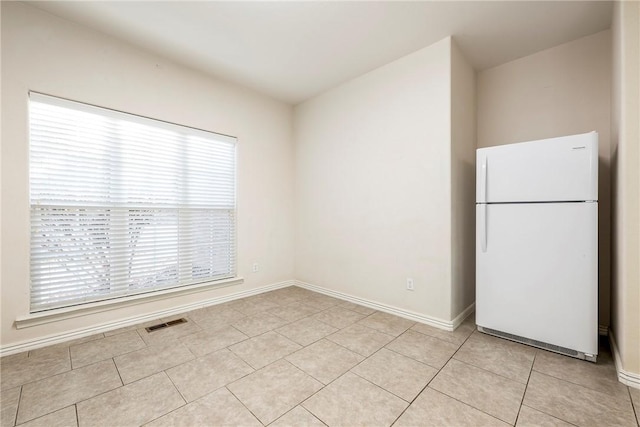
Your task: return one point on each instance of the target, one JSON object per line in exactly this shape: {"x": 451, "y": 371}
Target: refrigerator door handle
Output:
{"x": 483, "y": 225}
{"x": 483, "y": 180}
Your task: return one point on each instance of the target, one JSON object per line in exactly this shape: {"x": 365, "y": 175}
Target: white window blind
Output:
{"x": 123, "y": 205}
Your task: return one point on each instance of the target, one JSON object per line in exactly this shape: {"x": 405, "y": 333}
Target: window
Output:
{"x": 123, "y": 205}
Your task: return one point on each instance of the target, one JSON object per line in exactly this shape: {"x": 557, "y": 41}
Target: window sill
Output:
{"x": 56, "y": 315}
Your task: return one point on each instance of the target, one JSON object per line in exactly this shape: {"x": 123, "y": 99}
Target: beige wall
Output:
{"x": 43, "y": 53}
{"x": 463, "y": 178}
{"x": 372, "y": 185}
{"x": 625, "y": 153}
{"x": 374, "y": 196}
{"x": 560, "y": 91}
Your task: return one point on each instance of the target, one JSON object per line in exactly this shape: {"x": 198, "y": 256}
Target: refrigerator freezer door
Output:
{"x": 537, "y": 277}
{"x": 549, "y": 170}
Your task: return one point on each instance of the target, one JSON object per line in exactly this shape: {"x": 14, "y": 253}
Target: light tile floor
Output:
{"x": 293, "y": 357}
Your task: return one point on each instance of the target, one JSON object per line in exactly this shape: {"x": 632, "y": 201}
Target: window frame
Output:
{"x": 110, "y": 300}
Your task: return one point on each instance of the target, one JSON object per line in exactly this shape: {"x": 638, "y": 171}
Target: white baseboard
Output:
{"x": 630, "y": 379}
{"x": 447, "y": 325}
{"x": 462, "y": 316}
{"x": 84, "y": 332}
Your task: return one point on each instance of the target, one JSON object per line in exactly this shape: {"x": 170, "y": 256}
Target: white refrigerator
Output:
{"x": 537, "y": 243}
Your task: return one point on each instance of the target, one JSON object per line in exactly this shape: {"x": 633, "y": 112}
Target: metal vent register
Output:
{"x": 166, "y": 324}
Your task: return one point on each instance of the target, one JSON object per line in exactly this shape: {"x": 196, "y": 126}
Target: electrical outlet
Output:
{"x": 255, "y": 268}
{"x": 409, "y": 284}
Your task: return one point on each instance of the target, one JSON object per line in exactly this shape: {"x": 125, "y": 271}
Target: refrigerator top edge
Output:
{"x": 593, "y": 136}
{"x": 562, "y": 169}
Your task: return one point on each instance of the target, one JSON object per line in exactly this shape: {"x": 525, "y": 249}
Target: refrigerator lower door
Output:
{"x": 536, "y": 273}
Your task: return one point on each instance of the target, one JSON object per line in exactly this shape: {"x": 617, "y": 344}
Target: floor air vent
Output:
{"x": 166, "y": 324}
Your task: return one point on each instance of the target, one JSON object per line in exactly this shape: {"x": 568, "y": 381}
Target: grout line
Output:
{"x": 291, "y": 410}
{"x": 118, "y": 371}
{"x": 552, "y": 416}
{"x": 242, "y": 403}
{"x": 432, "y": 378}
{"x": 114, "y": 389}
{"x": 468, "y": 404}
{"x": 438, "y": 338}
{"x": 302, "y": 301}
{"x": 465, "y": 403}
{"x": 526, "y": 386}
{"x": 633, "y": 407}
{"x": 577, "y": 385}
{"x": 173, "y": 410}
{"x": 15, "y": 418}
{"x": 491, "y": 372}
{"x": 410, "y": 357}
{"x": 382, "y": 388}
{"x": 186, "y": 402}
{"x": 75, "y": 407}
{"x": 572, "y": 382}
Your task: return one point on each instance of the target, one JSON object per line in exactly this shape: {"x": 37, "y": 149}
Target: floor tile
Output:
{"x": 210, "y": 340}
{"x": 137, "y": 403}
{"x": 274, "y": 390}
{"x": 577, "y": 404}
{"x": 599, "y": 376}
{"x": 259, "y": 324}
{"x": 387, "y": 323}
{"x": 529, "y": 417}
{"x": 171, "y": 333}
{"x": 264, "y": 349}
{"x": 18, "y": 371}
{"x": 357, "y": 308}
{"x": 62, "y": 349}
{"x": 432, "y": 408}
{"x": 635, "y": 398}
{"x": 293, "y": 312}
{"x": 208, "y": 373}
{"x": 105, "y": 348}
{"x": 303, "y": 292}
{"x": 325, "y": 360}
{"x": 270, "y": 297}
{"x": 321, "y": 301}
{"x": 306, "y": 331}
{"x": 54, "y": 352}
{"x": 252, "y": 305}
{"x": 53, "y": 393}
{"x": 423, "y": 348}
{"x": 14, "y": 357}
{"x": 361, "y": 339}
{"x": 215, "y": 316}
{"x": 62, "y": 418}
{"x": 220, "y": 409}
{"x": 352, "y": 401}
{"x": 297, "y": 417}
{"x": 398, "y": 374}
{"x": 285, "y": 299}
{"x": 292, "y": 294}
{"x": 9, "y": 406}
{"x": 484, "y": 390}
{"x": 130, "y": 328}
{"x": 338, "y": 317}
{"x": 500, "y": 356}
{"x": 151, "y": 360}
{"x": 458, "y": 336}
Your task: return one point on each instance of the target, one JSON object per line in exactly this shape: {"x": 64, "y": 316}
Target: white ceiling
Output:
{"x": 295, "y": 50}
